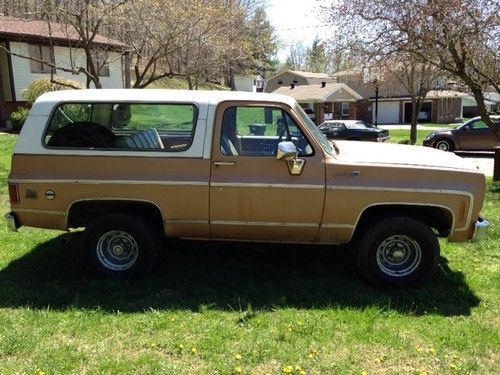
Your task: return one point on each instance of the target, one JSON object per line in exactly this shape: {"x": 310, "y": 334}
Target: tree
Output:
{"x": 317, "y": 60}
{"x": 456, "y": 36}
{"x": 297, "y": 57}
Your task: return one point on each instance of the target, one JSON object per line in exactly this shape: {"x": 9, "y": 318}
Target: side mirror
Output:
{"x": 466, "y": 128}
{"x": 286, "y": 150}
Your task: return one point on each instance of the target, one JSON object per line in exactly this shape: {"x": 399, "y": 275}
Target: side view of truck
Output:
{"x": 131, "y": 166}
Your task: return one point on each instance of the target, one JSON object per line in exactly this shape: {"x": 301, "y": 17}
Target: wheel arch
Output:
{"x": 438, "y": 217}
{"x": 81, "y": 212}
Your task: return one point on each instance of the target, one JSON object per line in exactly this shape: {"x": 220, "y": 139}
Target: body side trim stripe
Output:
{"x": 270, "y": 185}
{"x": 107, "y": 182}
{"x": 265, "y": 224}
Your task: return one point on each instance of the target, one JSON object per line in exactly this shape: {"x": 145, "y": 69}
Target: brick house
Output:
{"x": 317, "y": 93}
{"x": 394, "y": 102}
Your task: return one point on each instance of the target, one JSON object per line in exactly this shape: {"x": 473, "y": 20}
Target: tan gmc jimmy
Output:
{"x": 131, "y": 166}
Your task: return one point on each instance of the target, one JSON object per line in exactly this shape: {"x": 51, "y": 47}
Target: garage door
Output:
{"x": 388, "y": 112}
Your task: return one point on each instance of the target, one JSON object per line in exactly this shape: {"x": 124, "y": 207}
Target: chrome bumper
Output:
{"x": 480, "y": 227}
{"x": 10, "y": 218}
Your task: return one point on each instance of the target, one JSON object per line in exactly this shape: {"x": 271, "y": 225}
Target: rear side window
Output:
{"x": 122, "y": 126}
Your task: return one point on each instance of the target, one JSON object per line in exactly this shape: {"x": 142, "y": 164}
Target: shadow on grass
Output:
{"x": 223, "y": 276}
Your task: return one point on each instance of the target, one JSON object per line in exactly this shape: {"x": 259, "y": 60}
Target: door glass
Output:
{"x": 256, "y": 131}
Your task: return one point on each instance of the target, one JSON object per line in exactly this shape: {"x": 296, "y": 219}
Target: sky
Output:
{"x": 295, "y": 21}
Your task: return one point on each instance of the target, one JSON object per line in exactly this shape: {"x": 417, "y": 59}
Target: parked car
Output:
{"x": 131, "y": 166}
{"x": 353, "y": 130}
{"x": 471, "y": 135}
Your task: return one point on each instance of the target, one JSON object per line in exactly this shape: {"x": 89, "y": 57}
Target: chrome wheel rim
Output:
{"x": 399, "y": 255}
{"x": 443, "y": 146}
{"x": 117, "y": 250}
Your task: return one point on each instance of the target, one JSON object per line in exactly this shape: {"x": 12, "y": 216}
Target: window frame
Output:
{"x": 40, "y": 67}
{"x": 344, "y": 105}
{"x": 194, "y": 105}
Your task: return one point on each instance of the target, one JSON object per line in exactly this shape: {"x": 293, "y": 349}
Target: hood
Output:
{"x": 395, "y": 154}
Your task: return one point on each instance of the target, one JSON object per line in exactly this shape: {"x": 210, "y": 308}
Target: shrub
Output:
{"x": 43, "y": 85}
{"x": 18, "y": 118}
{"x": 405, "y": 141}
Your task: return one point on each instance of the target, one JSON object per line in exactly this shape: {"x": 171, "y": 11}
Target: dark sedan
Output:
{"x": 354, "y": 130}
{"x": 471, "y": 135}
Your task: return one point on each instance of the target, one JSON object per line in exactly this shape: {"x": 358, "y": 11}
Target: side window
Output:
{"x": 256, "y": 131}
{"x": 122, "y": 126}
{"x": 479, "y": 124}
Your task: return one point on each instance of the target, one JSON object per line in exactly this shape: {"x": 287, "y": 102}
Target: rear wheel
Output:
{"x": 120, "y": 245}
{"x": 444, "y": 145}
{"x": 398, "y": 251}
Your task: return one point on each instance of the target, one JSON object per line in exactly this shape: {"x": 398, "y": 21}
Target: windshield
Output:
{"x": 325, "y": 145}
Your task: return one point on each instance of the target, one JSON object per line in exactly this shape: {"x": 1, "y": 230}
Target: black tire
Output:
{"x": 444, "y": 145}
{"x": 397, "y": 251}
{"x": 120, "y": 245}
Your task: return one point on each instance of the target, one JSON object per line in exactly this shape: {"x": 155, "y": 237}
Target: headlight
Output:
{"x": 432, "y": 135}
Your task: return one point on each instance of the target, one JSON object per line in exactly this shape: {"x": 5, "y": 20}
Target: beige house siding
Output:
{"x": 23, "y": 77}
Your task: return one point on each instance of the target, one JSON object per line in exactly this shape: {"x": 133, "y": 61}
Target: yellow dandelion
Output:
{"x": 288, "y": 369}
{"x": 446, "y": 356}
{"x": 423, "y": 373}
{"x": 289, "y": 329}
{"x": 432, "y": 350}
{"x": 364, "y": 373}
{"x": 237, "y": 356}
{"x": 298, "y": 368}
{"x": 453, "y": 366}
{"x": 300, "y": 323}
{"x": 40, "y": 372}
{"x": 238, "y": 370}
{"x": 302, "y": 372}
{"x": 420, "y": 350}
{"x": 194, "y": 350}
{"x": 379, "y": 359}
{"x": 153, "y": 344}
{"x": 310, "y": 355}
{"x": 455, "y": 356}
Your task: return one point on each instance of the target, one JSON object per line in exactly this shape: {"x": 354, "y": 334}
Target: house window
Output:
{"x": 41, "y": 58}
{"x": 102, "y": 64}
{"x": 345, "y": 109}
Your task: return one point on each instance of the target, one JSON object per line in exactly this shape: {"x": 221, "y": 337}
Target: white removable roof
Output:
{"x": 46, "y": 102}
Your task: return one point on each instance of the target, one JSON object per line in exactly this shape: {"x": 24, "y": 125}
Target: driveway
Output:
{"x": 484, "y": 161}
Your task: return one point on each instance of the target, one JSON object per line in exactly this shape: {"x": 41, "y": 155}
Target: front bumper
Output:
{"x": 480, "y": 227}
{"x": 428, "y": 142}
{"x": 11, "y": 221}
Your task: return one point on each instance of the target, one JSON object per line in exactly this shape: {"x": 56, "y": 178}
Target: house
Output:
{"x": 317, "y": 93}
{"x": 249, "y": 83}
{"x": 394, "y": 101}
{"x": 492, "y": 103}
{"x": 26, "y": 39}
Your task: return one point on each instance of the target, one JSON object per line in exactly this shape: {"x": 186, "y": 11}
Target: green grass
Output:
{"x": 399, "y": 135}
{"x": 273, "y": 305}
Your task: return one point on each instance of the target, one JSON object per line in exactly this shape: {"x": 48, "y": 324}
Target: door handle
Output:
{"x": 223, "y": 163}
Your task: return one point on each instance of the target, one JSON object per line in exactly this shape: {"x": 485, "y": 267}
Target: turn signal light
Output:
{"x": 13, "y": 193}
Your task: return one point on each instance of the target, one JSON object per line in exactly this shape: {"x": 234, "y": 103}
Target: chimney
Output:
{"x": 292, "y": 85}
{"x": 323, "y": 84}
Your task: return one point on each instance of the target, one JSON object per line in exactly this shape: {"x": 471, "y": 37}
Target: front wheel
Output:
{"x": 398, "y": 251}
{"x": 444, "y": 145}
{"x": 120, "y": 245}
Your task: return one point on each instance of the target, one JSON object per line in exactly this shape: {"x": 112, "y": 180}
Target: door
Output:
{"x": 476, "y": 136}
{"x": 253, "y": 196}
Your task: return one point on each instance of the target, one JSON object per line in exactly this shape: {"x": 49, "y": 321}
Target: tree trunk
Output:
{"x": 414, "y": 119}
{"x": 190, "y": 82}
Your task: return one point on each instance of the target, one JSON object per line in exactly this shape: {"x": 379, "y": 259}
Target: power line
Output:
{"x": 305, "y": 27}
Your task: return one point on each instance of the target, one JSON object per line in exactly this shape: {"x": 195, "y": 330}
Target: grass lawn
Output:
{"x": 228, "y": 308}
